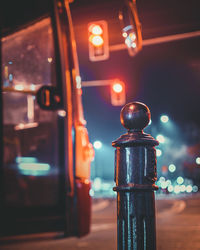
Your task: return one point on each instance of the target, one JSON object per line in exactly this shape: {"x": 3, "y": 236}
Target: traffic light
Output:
{"x": 98, "y": 41}
{"x": 131, "y": 27}
{"x": 118, "y": 93}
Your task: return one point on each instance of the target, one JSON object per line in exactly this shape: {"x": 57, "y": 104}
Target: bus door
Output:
{"x": 33, "y": 171}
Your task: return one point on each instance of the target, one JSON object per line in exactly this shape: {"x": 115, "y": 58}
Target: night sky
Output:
{"x": 166, "y": 77}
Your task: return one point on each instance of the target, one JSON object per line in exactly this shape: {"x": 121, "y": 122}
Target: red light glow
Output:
{"x": 96, "y": 40}
{"x": 95, "y": 29}
{"x": 117, "y": 87}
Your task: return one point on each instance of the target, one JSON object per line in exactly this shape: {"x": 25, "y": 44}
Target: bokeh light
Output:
{"x": 97, "y": 145}
{"x": 170, "y": 188}
{"x": 189, "y": 189}
{"x": 158, "y": 152}
{"x": 164, "y": 118}
{"x": 177, "y": 189}
{"x": 198, "y": 160}
{"x": 180, "y": 180}
{"x": 172, "y": 168}
{"x": 160, "y": 138}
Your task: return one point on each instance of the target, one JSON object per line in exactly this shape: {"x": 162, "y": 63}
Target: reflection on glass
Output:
{"x": 30, "y": 134}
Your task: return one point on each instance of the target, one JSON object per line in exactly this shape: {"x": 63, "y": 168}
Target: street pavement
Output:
{"x": 178, "y": 227}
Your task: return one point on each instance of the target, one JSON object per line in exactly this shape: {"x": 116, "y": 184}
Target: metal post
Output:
{"x": 135, "y": 176}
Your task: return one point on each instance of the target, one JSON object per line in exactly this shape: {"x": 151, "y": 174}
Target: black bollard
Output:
{"x": 135, "y": 176}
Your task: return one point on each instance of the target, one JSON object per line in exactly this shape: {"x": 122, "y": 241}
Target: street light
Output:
{"x": 160, "y": 138}
{"x": 158, "y": 152}
{"x": 172, "y": 168}
{"x": 164, "y": 118}
{"x": 97, "y": 145}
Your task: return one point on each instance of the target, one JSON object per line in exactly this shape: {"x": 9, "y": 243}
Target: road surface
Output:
{"x": 178, "y": 227}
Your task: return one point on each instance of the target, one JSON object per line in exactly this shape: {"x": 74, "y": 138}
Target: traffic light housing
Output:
{"x": 131, "y": 27}
{"x": 118, "y": 93}
{"x": 98, "y": 41}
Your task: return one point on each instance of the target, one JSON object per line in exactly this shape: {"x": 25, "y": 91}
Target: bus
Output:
{"x": 45, "y": 152}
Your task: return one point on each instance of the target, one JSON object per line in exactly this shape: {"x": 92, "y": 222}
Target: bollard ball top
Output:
{"x": 135, "y": 116}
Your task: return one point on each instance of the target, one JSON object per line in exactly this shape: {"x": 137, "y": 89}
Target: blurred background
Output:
{"x": 164, "y": 74}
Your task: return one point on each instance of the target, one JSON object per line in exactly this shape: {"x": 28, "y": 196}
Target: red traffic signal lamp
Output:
{"x": 98, "y": 41}
{"x": 118, "y": 93}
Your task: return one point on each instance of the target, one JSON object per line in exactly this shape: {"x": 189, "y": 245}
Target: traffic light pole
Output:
{"x": 117, "y": 90}
{"x": 97, "y": 83}
{"x": 135, "y": 176}
{"x": 158, "y": 40}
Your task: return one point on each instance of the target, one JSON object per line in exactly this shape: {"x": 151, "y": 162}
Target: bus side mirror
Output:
{"x": 48, "y": 98}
